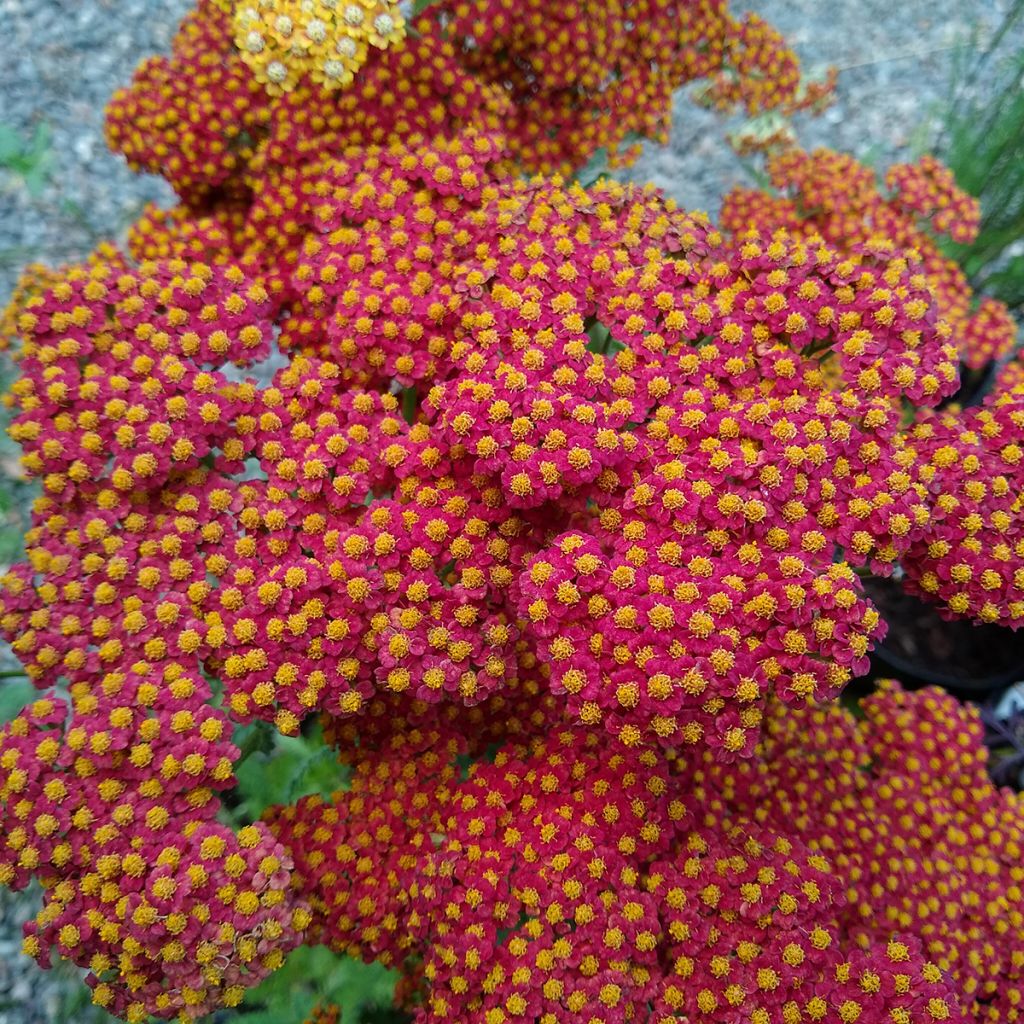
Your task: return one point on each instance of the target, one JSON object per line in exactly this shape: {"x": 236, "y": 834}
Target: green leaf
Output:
{"x": 982, "y": 142}
{"x": 278, "y": 769}
{"x": 409, "y": 400}
{"x": 29, "y": 158}
{"x": 14, "y": 695}
{"x": 41, "y": 140}
{"x": 255, "y": 738}
{"x": 594, "y": 169}
{"x": 36, "y": 178}
{"x": 313, "y": 975}
{"x": 599, "y": 335}
{"x": 11, "y": 144}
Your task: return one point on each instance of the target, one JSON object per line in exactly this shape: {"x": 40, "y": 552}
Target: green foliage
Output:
{"x": 982, "y": 142}
{"x": 601, "y": 341}
{"x": 31, "y": 159}
{"x": 276, "y": 769}
{"x": 316, "y": 975}
{"x": 594, "y": 169}
{"x": 15, "y": 693}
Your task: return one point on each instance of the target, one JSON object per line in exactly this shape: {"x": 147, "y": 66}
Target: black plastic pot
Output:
{"x": 923, "y": 649}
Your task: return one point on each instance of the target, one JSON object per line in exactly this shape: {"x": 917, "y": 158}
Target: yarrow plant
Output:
{"x": 554, "y": 516}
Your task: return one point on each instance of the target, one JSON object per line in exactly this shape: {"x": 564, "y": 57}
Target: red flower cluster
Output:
{"x": 114, "y": 389}
{"x": 899, "y": 801}
{"x": 565, "y": 879}
{"x": 194, "y": 116}
{"x": 202, "y": 120}
{"x": 832, "y": 195}
{"x": 561, "y": 86}
{"x": 709, "y": 475}
{"x": 592, "y": 77}
{"x": 760, "y": 73}
{"x": 971, "y": 558}
{"x": 929, "y": 190}
{"x": 988, "y": 335}
{"x": 618, "y": 492}
{"x": 109, "y": 800}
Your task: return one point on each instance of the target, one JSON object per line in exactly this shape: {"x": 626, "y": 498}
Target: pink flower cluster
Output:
{"x": 110, "y": 800}
{"x": 971, "y": 558}
{"x": 563, "y": 878}
{"x": 897, "y": 797}
{"x": 832, "y": 195}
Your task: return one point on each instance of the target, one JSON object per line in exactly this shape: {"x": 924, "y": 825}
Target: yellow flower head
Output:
{"x": 328, "y": 40}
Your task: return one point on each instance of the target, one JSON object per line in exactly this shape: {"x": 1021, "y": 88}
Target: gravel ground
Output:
{"x": 896, "y": 62}
{"x": 61, "y": 59}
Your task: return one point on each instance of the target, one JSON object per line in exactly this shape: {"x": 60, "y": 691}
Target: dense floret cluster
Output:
{"x": 971, "y": 558}
{"x": 833, "y": 195}
{"x": 855, "y": 868}
{"x": 550, "y": 505}
{"x": 109, "y": 799}
{"x": 561, "y": 84}
{"x": 898, "y": 800}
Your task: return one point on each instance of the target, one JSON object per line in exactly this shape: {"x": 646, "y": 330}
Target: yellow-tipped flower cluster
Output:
{"x": 328, "y": 40}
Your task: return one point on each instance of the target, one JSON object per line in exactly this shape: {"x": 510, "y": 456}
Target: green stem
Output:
{"x": 409, "y": 405}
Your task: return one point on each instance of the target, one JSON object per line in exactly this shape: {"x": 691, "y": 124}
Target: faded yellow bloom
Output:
{"x": 326, "y": 40}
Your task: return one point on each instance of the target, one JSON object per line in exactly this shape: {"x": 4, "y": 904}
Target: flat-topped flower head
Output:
{"x": 899, "y": 801}
{"x": 547, "y": 501}
{"x": 969, "y": 560}
{"x": 110, "y": 799}
{"x": 121, "y": 384}
{"x": 599, "y": 77}
{"x": 326, "y": 41}
{"x": 564, "y": 877}
{"x": 833, "y": 195}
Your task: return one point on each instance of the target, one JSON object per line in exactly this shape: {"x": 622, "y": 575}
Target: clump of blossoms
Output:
{"x": 761, "y": 74}
{"x": 109, "y": 800}
{"x": 567, "y": 879}
{"x": 559, "y": 86}
{"x": 833, "y": 195}
{"x": 971, "y": 559}
{"x": 326, "y": 40}
{"x": 553, "y": 515}
{"x": 968, "y": 559}
{"x": 200, "y": 118}
{"x": 601, "y": 76}
{"x": 899, "y": 801}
